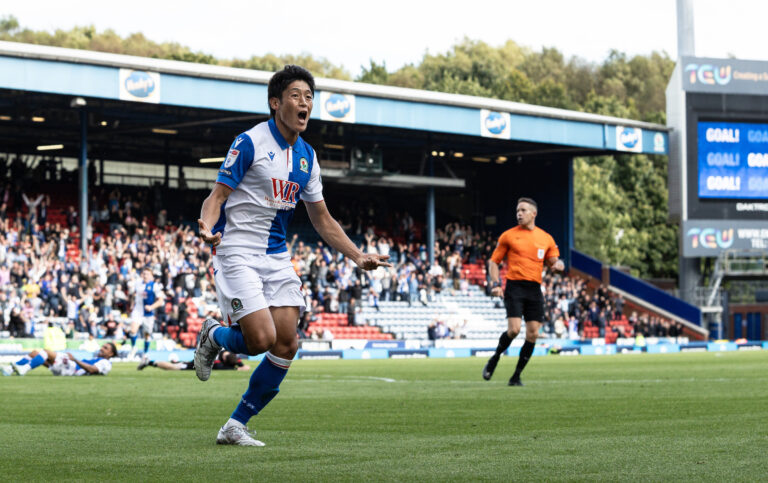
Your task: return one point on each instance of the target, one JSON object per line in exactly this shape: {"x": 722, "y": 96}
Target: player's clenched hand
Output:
{"x": 206, "y": 235}
{"x": 497, "y": 291}
{"x": 373, "y": 261}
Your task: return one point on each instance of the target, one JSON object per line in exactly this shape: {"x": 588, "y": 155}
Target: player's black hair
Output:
{"x": 529, "y": 201}
{"x": 282, "y": 79}
{"x": 113, "y": 347}
{"x": 230, "y": 359}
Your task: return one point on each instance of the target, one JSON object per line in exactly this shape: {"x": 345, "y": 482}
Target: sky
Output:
{"x": 398, "y": 32}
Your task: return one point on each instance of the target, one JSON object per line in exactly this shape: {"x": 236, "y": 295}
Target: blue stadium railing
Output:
{"x": 637, "y": 288}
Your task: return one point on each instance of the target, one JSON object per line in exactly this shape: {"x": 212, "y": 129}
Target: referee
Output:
{"x": 525, "y": 248}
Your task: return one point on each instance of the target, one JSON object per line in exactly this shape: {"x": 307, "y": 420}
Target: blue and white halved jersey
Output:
{"x": 268, "y": 177}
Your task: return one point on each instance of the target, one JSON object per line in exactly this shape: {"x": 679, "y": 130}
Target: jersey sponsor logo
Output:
{"x": 231, "y": 158}
{"x": 284, "y": 190}
{"x": 225, "y": 171}
{"x": 540, "y": 253}
{"x": 304, "y": 165}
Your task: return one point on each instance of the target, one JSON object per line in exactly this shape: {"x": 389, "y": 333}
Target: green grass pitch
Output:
{"x": 640, "y": 417}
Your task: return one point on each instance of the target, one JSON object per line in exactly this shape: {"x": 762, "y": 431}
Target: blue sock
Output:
{"x": 263, "y": 387}
{"x": 23, "y": 361}
{"x": 231, "y": 338}
{"x": 133, "y": 340}
{"x": 37, "y": 360}
{"x": 146, "y": 346}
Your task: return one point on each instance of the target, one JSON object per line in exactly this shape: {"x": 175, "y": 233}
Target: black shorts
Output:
{"x": 523, "y": 298}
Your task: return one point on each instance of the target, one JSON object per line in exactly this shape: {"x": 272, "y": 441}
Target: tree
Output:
{"x": 604, "y": 227}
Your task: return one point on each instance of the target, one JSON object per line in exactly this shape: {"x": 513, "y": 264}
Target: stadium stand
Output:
{"x": 46, "y": 279}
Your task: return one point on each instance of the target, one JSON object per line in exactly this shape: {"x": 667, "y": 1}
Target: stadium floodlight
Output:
{"x": 458, "y": 154}
{"x": 50, "y": 147}
{"x": 212, "y": 160}
{"x": 481, "y": 159}
{"x": 5, "y": 118}
{"x": 158, "y": 130}
{"x": 78, "y": 102}
{"x": 501, "y": 160}
{"x": 38, "y": 119}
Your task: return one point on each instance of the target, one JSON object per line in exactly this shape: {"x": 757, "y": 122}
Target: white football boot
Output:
{"x": 237, "y": 435}
{"x": 20, "y": 370}
{"x": 207, "y": 350}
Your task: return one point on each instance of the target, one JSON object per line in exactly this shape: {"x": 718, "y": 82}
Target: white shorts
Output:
{"x": 147, "y": 324}
{"x": 63, "y": 366}
{"x": 248, "y": 283}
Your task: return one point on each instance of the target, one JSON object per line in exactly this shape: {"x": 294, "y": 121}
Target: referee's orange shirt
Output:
{"x": 525, "y": 251}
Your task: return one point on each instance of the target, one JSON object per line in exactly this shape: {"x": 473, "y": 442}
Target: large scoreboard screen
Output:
{"x": 732, "y": 160}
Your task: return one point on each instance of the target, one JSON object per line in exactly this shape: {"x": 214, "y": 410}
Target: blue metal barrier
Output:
{"x": 655, "y": 296}
{"x": 585, "y": 263}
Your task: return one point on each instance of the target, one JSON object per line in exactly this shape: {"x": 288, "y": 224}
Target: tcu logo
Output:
{"x": 285, "y": 190}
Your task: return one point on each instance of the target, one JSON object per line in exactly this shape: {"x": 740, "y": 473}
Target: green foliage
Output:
{"x": 88, "y": 38}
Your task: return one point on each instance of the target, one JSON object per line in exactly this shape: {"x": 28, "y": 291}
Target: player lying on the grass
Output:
{"x": 226, "y": 361}
{"x": 65, "y": 364}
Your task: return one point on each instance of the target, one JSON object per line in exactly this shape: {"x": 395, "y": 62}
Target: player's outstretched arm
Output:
{"x": 330, "y": 230}
{"x": 210, "y": 212}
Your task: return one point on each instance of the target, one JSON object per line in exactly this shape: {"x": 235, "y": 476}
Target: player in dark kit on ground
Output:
{"x": 226, "y": 361}
{"x": 526, "y": 249}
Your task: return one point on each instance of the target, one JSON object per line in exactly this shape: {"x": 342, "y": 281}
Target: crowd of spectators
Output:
{"x": 332, "y": 283}
{"x": 41, "y": 279}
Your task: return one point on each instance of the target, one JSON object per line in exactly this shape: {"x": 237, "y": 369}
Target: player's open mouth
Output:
{"x": 303, "y": 116}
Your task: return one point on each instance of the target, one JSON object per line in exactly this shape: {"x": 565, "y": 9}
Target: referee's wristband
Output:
{"x": 495, "y": 285}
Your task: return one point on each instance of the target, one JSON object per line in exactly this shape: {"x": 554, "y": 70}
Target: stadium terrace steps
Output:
{"x": 473, "y": 314}
{"x": 338, "y": 325}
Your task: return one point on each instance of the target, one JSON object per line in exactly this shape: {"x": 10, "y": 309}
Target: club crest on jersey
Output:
{"x": 304, "y": 165}
{"x": 271, "y": 155}
{"x": 540, "y": 253}
{"x": 285, "y": 190}
{"x": 231, "y": 158}
{"x": 236, "y": 305}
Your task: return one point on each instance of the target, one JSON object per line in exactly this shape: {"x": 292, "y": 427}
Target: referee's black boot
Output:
{"x": 490, "y": 366}
{"x": 515, "y": 381}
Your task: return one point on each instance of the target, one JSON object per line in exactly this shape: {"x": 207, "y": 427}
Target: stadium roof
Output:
{"x": 159, "y": 110}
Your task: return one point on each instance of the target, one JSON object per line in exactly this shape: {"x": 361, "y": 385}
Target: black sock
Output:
{"x": 525, "y": 354}
{"x": 504, "y": 342}
{"x": 152, "y": 363}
